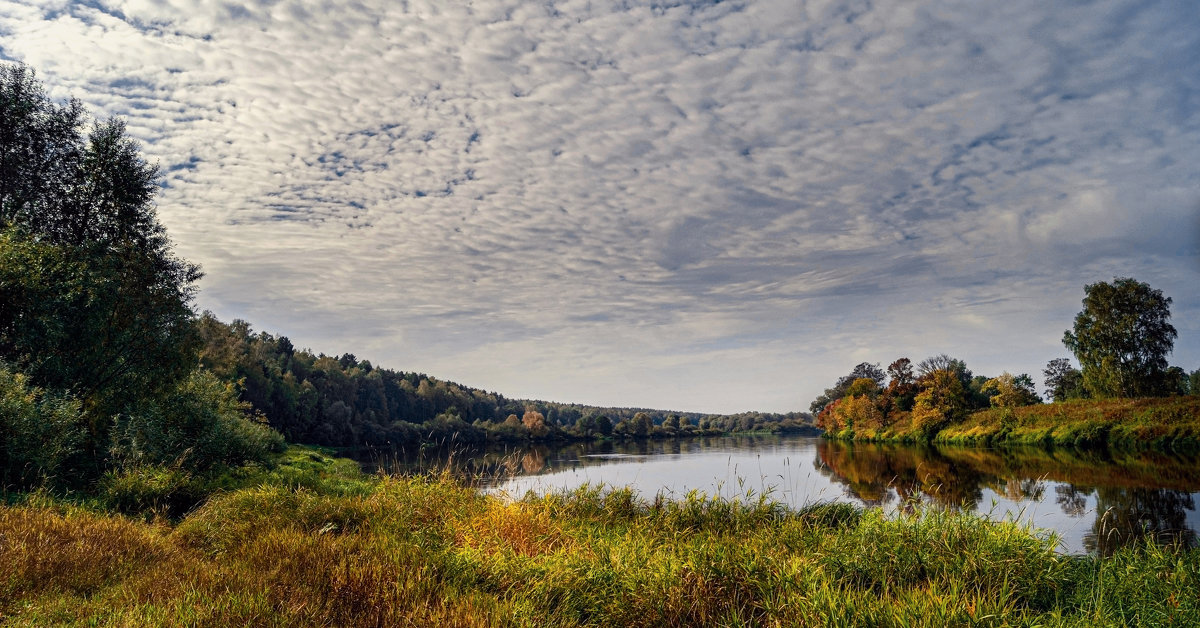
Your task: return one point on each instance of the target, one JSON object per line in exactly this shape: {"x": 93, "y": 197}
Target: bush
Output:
{"x": 41, "y": 433}
{"x": 198, "y": 426}
{"x": 152, "y": 490}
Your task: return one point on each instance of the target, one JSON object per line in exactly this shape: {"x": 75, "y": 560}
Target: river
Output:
{"x": 1094, "y": 502}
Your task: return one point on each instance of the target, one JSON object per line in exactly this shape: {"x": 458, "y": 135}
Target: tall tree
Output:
{"x": 92, "y": 297}
{"x": 1122, "y": 338}
{"x": 902, "y": 384}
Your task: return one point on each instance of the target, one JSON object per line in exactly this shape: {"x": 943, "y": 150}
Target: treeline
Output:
{"x": 344, "y": 401}
{"x": 1121, "y": 339}
{"x": 932, "y": 393}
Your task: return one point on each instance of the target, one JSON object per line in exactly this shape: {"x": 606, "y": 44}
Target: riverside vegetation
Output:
{"x": 310, "y": 540}
{"x": 1124, "y": 396}
{"x": 147, "y": 479}
{"x": 1171, "y": 423}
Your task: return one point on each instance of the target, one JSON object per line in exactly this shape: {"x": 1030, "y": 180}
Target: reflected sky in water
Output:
{"x": 1094, "y": 501}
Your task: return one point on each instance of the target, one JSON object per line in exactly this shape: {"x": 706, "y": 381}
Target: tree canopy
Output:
{"x": 92, "y": 297}
{"x": 98, "y": 341}
{"x": 1122, "y": 338}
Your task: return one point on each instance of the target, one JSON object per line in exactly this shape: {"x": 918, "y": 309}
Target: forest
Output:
{"x": 342, "y": 401}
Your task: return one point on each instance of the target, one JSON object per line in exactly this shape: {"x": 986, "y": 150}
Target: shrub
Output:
{"x": 199, "y": 425}
{"x": 41, "y": 432}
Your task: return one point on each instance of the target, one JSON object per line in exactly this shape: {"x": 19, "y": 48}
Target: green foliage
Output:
{"x": 1011, "y": 391}
{"x": 942, "y": 401}
{"x": 1176, "y": 381}
{"x": 1122, "y": 338}
{"x": 42, "y": 434}
{"x": 1064, "y": 381}
{"x": 92, "y": 299}
{"x": 641, "y": 424}
{"x": 100, "y": 323}
{"x": 318, "y": 399}
{"x": 198, "y": 426}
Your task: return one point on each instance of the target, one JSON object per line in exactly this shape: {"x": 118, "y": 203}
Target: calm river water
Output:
{"x": 1093, "y": 501}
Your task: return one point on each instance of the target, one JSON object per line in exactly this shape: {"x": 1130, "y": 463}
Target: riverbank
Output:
{"x": 1166, "y": 423}
{"x": 313, "y": 541}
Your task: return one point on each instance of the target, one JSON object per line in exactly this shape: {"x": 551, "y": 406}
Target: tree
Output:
{"x": 535, "y": 422}
{"x": 1063, "y": 381}
{"x": 92, "y": 297}
{"x": 902, "y": 384}
{"x": 1176, "y": 381}
{"x": 860, "y": 371}
{"x": 641, "y": 424}
{"x": 1011, "y": 391}
{"x": 1122, "y": 338}
{"x": 943, "y": 362}
{"x": 586, "y": 425}
{"x": 863, "y": 386}
{"x": 40, "y": 150}
{"x": 855, "y": 412}
{"x": 105, "y": 326}
{"x": 41, "y": 433}
{"x": 942, "y": 401}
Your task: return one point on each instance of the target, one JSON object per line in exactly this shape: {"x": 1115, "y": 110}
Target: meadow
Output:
{"x": 311, "y": 540}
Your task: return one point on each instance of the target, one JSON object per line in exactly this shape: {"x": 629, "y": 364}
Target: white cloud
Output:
{"x": 695, "y": 205}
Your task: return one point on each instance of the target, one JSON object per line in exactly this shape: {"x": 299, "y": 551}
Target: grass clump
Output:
{"x": 312, "y": 543}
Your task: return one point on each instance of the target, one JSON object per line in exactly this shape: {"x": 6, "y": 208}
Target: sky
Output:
{"x": 700, "y": 206}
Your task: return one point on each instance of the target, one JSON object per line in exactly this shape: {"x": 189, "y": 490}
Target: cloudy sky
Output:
{"x": 710, "y": 206}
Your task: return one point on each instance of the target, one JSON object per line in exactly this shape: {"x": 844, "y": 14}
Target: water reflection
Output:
{"x": 1096, "y": 501}
{"x": 1131, "y": 497}
{"x": 1128, "y": 515}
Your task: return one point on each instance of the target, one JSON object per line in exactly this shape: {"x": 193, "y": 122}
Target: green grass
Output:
{"x": 314, "y": 542}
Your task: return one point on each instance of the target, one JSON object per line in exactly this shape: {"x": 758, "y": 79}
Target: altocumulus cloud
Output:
{"x": 696, "y": 205}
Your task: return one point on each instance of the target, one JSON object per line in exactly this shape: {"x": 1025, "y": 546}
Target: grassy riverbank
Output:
{"x": 313, "y": 542}
{"x": 1158, "y": 423}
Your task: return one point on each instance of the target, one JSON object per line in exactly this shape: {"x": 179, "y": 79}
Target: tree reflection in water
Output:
{"x": 1129, "y": 496}
{"x": 1131, "y": 515}
{"x": 1138, "y": 498}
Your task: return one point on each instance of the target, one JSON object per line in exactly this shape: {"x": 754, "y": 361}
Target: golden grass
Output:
{"x": 430, "y": 552}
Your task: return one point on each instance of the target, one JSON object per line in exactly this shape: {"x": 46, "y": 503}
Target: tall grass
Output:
{"x": 314, "y": 544}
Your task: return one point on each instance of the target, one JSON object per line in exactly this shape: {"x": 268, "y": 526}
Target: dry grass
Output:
{"x": 420, "y": 551}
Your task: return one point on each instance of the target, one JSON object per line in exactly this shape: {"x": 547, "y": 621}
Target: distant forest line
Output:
{"x": 346, "y": 402}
